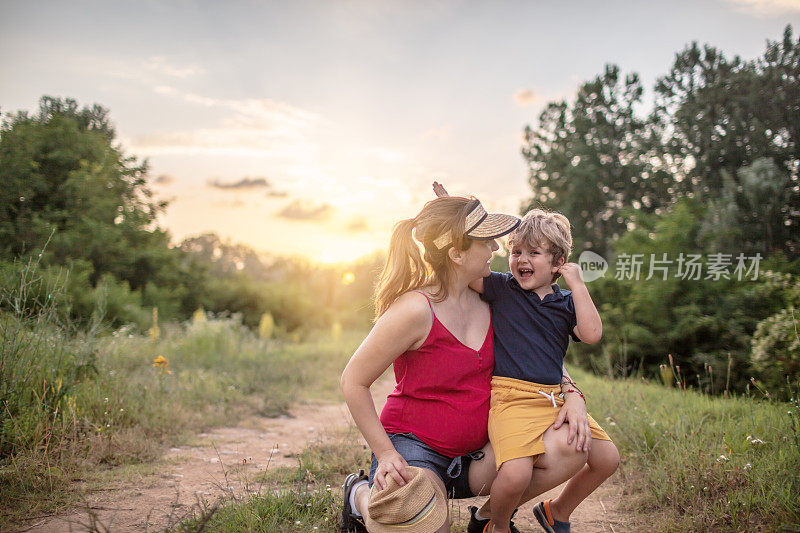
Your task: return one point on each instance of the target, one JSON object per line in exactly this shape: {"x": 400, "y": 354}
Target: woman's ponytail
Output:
{"x": 404, "y": 270}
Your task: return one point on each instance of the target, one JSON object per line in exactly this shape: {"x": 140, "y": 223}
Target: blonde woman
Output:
{"x": 437, "y": 333}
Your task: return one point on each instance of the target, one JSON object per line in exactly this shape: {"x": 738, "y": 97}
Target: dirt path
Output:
{"x": 193, "y": 473}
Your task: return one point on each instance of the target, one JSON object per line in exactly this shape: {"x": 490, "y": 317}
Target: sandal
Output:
{"x": 348, "y": 522}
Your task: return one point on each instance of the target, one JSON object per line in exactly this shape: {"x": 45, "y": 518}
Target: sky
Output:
{"x": 310, "y": 127}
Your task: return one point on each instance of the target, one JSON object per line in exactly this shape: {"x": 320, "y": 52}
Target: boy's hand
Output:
{"x": 439, "y": 189}
{"x": 572, "y": 273}
{"x": 573, "y": 412}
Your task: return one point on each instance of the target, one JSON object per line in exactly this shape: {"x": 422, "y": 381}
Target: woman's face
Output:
{"x": 479, "y": 255}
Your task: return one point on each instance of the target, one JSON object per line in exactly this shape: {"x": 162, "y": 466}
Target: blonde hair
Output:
{"x": 548, "y": 229}
{"x": 406, "y": 268}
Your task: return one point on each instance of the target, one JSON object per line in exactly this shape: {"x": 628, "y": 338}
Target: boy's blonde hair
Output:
{"x": 548, "y": 229}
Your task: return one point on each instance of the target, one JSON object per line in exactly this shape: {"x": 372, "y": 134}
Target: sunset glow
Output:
{"x": 311, "y": 128}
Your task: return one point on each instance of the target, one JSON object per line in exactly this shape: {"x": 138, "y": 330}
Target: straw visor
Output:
{"x": 416, "y": 507}
{"x": 481, "y": 225}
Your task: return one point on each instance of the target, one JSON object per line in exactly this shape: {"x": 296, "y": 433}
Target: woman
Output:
{"x": 437, "y": 334}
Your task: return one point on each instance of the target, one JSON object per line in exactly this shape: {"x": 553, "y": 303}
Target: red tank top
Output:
{"x": 442, "y": 392}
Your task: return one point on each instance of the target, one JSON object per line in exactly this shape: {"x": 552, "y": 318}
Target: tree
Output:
{"x": 224, "y": 258}
{"x": 65, "y": 181}
{"x": 717, "y": 117}
{"x": 715, "y": 122}
{"x": 590, "y": 160}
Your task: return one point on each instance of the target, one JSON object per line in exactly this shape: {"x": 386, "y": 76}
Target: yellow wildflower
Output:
{"x": 154, "y": 331}
{"x": 199, "y": 316}
{"x": 161, "y": 363}
{"x": 266, "y": 326}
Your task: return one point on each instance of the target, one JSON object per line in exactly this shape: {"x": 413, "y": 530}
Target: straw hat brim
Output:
{"x": 493, "y": 226}
{"x": 420, "y": 494}
{"x": 429, "y": 523}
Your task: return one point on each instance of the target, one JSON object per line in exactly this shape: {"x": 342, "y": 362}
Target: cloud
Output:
{"x": 306, "y": 211}
{"x": 160, "y": 65}
{"x": 151, "y": 70}
{"x": 164, "y": 179}
{"x": 357, "y": 225}
{"x": 767, "y": 7}
{"x": 230, "y": 204}
{"x": 525, "y": 97}
{"x": 254, "y": 127}
{"x": 277, "y": 194}
{"x": 242, "y": 184}
{"x": 439, "y": 134}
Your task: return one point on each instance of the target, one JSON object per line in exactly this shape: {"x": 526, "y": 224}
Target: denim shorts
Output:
{"x": 454, "y": 472}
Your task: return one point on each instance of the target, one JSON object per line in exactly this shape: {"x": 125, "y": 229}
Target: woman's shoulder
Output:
{"x": 409, "y": 316}
{"x": 413, "y": 305}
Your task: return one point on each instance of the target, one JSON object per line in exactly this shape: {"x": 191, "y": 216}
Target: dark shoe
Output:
{"x": 546, "y": 520}
{"x": 477, "y": 526}
{"x": 348, "y": 522}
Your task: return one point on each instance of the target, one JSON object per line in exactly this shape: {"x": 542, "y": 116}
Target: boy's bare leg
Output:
{"x": 603, "y": 461}
{"x": 560, "y": 463}
{"x": 512, "y": 479}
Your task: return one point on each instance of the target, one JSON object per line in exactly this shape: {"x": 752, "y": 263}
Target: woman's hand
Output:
{"x": 391, "y": 463}
{"x": 574, "y": 413}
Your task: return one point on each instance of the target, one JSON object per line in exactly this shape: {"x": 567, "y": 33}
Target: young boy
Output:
{"x": 533, "y": 319}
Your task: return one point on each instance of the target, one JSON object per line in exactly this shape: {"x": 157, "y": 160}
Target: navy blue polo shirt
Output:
{"x": 531, "y": 335}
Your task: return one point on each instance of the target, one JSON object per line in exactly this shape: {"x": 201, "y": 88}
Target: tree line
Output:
{"x": 710, "y": 170}
{"x": 80, "y": 209}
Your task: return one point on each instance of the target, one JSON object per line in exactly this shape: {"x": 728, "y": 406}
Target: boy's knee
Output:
{"x": 514, "y": 478}
{"x": 604, "y": 458}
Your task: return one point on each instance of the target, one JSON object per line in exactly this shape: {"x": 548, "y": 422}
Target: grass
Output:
{"x": 689, "y": 462}
{"x": 696, "y": 462}
{"x": 288, "y": 499}
{"x": 76, "y": 404}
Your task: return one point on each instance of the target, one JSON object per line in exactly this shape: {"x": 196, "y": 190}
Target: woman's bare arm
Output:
{"x": 404, "y": 326}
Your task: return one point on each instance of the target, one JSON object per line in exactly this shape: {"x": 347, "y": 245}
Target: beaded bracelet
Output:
{"x": 575, "y": 390}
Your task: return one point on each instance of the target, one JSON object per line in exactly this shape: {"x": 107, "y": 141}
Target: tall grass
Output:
{"x": 694, "y": 462}
{"x": 72, "y": 402}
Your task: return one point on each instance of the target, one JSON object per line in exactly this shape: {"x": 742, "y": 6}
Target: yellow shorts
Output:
{"x": 520, "y": 413}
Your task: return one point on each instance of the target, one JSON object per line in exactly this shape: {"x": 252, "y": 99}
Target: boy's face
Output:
{"x": 532, "y": 266}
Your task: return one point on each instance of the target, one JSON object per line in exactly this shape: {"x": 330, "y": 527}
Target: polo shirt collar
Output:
{"x": 555, "y": 296}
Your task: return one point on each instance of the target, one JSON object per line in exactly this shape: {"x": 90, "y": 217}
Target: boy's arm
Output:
{"x": 589, "y": 327}
{"x": 573, "y": 412}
